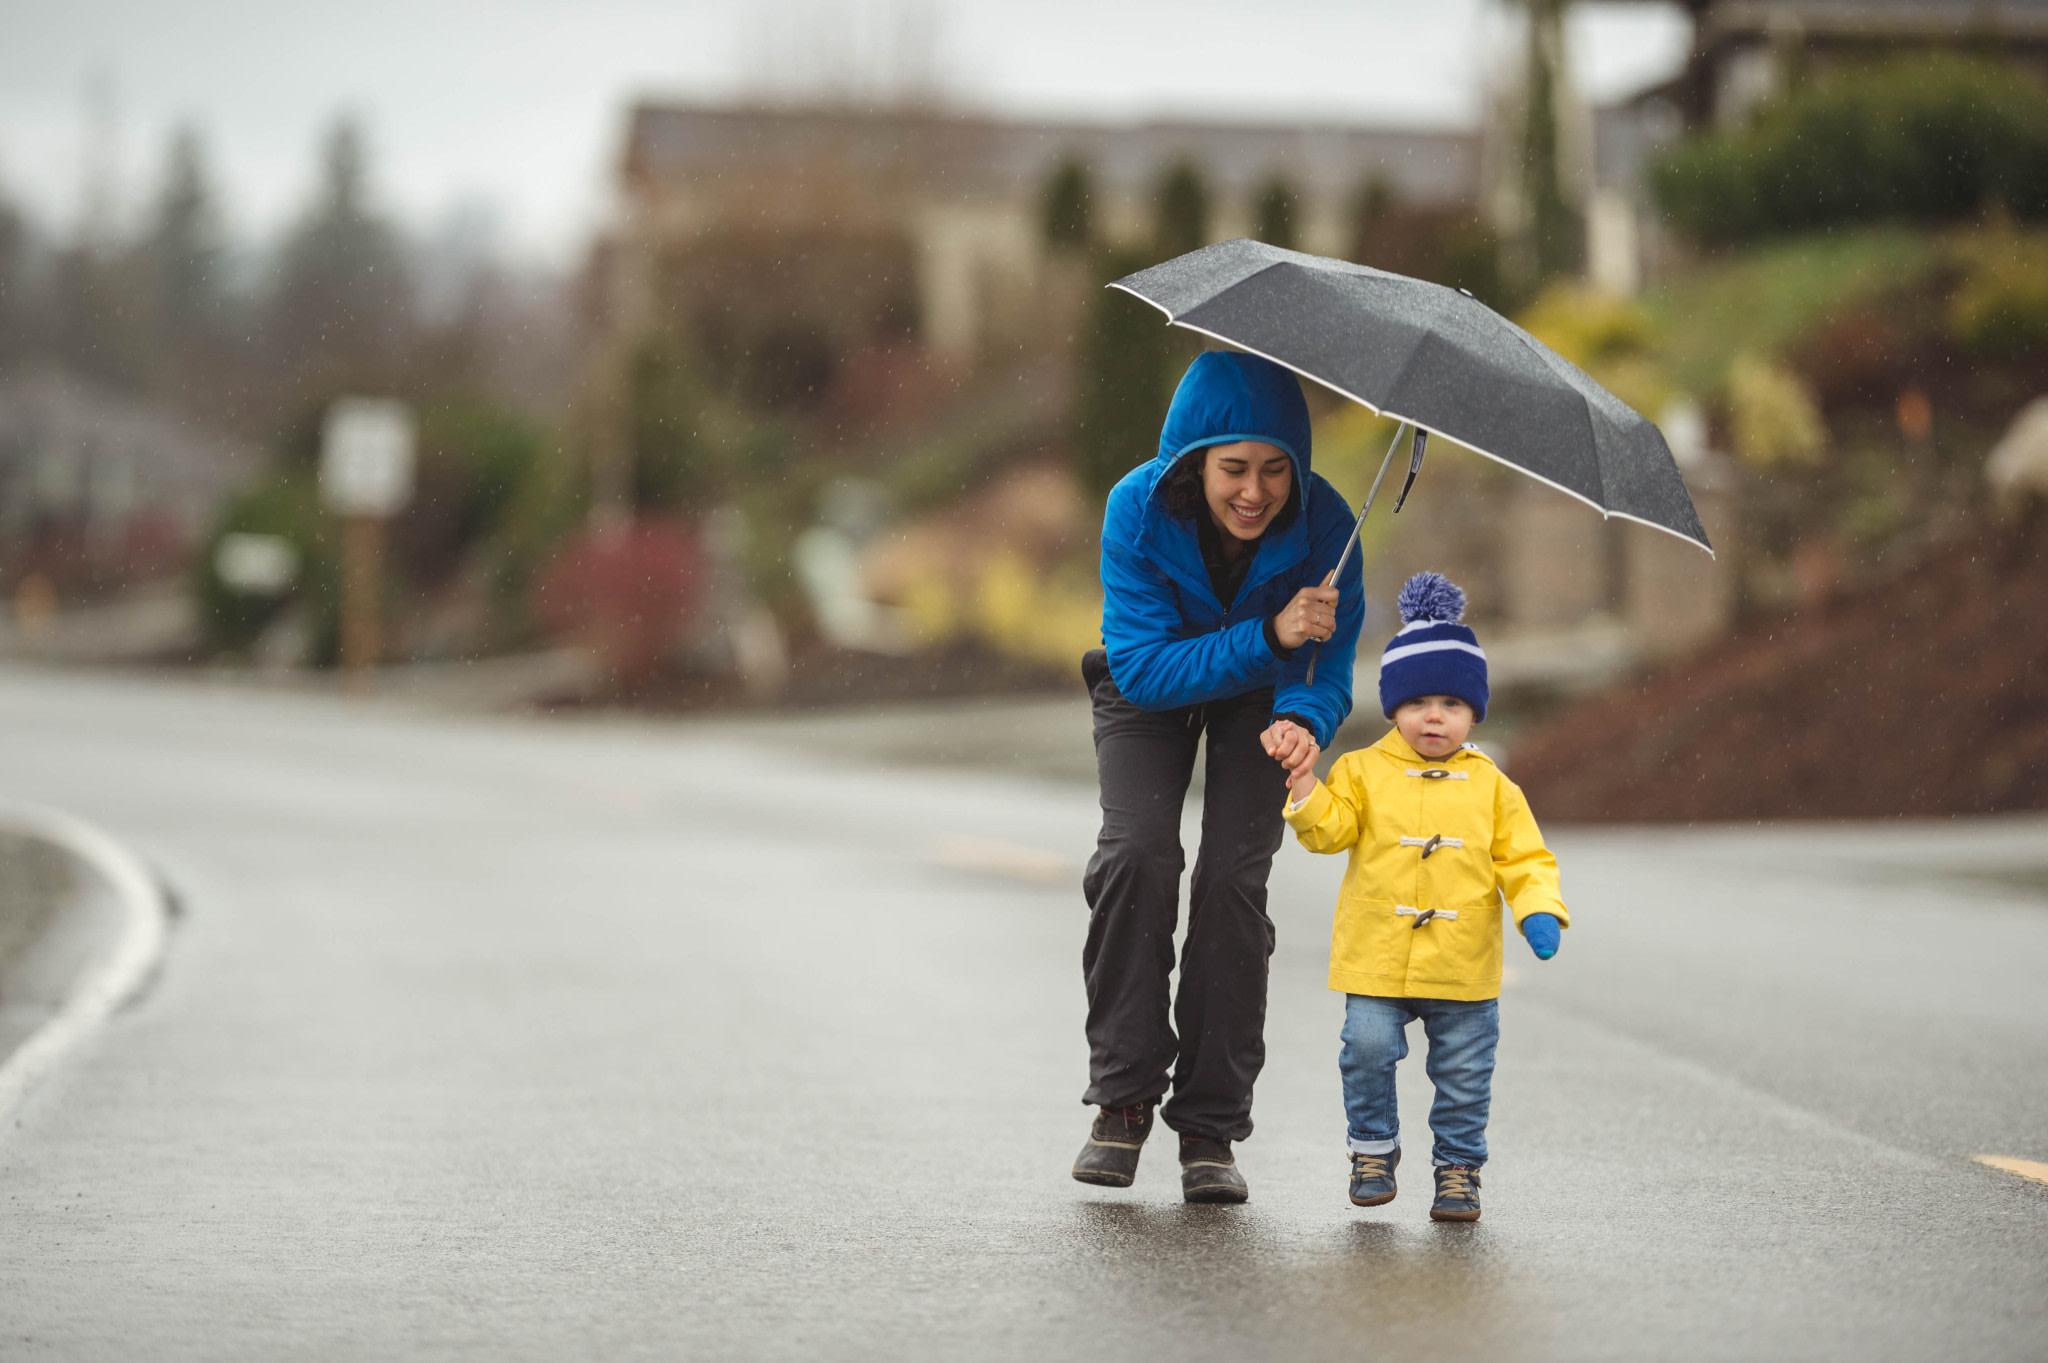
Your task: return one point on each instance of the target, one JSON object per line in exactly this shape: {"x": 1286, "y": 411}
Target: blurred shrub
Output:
{"x": 1608, "y": 336}
{"x": 1587, "y": 326}
{"x": 2000, "y": 307}
{"x": 477, "y": 468}
{"x": 285, "y": 505}
{"x": 1772, "y": 417}
{"x": 1864, "y": 353}
{"x": 1930, "y": 139}
{"x": 472, "y": 460}
{"x": 1018, "y": 608}
{"x": 630, "y": 592}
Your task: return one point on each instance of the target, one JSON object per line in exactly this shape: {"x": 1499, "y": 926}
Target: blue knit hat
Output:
{"x": 1432, "y": 654}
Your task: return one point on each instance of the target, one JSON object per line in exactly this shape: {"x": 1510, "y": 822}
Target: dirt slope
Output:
{"x": 1923, "y": 695}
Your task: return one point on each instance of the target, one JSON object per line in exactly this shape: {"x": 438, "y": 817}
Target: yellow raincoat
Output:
{"x": 1416, "y": 921}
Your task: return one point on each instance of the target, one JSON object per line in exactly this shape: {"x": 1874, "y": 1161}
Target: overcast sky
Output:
{"x": 513, "y": 110}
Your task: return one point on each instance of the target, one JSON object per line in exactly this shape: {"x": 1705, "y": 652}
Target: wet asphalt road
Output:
{"x": 518, "y": 1040}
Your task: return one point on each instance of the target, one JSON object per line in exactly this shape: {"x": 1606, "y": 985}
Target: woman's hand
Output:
{"x": 1312, "y": 614}
{"x": 1294, "y": 748}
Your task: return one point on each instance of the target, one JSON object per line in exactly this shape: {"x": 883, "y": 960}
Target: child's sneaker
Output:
{"x": 1372, "y": 1178}
{"x": 1110, "y": 1158}
{"x": 1457, "y": 1194}
{"x": 1208, "y": 1172}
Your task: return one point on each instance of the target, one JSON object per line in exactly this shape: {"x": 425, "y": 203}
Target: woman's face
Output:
{"x": 1245, "y": 484}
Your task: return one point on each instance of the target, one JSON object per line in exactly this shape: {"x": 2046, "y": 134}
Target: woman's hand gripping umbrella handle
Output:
{"x": 1420, "y": 442}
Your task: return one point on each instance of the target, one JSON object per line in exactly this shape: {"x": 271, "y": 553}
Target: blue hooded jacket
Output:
{"x": 1170, "y": 641}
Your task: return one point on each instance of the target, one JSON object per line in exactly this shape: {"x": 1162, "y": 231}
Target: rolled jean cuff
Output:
{"x": 1385, "y": 1147}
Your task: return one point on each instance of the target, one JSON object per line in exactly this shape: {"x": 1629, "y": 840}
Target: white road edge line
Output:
{"x": 108, "y": 982}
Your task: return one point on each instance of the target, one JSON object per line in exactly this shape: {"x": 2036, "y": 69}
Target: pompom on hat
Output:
{"x": 1433, "y": 654}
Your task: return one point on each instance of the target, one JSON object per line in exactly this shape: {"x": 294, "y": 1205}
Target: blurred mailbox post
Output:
{"x": 366, "y": 458}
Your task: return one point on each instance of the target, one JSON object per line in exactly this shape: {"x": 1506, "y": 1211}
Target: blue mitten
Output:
{"x": 1542, "y": 931}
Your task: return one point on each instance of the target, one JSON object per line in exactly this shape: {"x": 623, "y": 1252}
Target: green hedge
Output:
{"x": 1932, "y": 139}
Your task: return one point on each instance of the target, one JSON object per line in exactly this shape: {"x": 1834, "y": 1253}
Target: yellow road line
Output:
{"x": 2025, "y": 1168}
{"x": 1014, "y": 861}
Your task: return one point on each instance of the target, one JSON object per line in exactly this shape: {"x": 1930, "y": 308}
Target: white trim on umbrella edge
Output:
{"x": 1605, "y": 514}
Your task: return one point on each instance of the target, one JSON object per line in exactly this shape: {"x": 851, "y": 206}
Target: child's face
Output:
{"x": 1245, "y": 484}
{"x": 1434, "y": 726}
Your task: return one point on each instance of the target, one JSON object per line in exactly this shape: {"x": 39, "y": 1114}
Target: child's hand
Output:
{"x": 1294, "y": 748}
{"x": 1301, "y": 778}
{"x": 1542, "y": 933}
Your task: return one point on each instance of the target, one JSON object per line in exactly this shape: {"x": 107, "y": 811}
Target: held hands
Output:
{"x": 1542, "y": 933}
{"x": 1312, "y": 614}
{"x": 1294, "y": 748}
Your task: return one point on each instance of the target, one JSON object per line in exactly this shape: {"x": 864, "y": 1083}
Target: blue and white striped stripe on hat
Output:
{"x": 1433, "y": 654}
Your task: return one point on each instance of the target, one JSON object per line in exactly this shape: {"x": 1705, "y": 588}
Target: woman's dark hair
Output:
{"x": 1181, "y": 490}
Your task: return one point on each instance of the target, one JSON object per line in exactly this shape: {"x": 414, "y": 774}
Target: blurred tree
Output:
{"x": 1125, "y": 360}
{"x": 90, "y": 317}
{"x": 338, "y": 315}
{"x": 679, "y": 430}
{"x": 1182, "y": 200}
{"x": 180, "y": 256}
{"x": 95, "y": 321}
{"x": 1275, "y": 212}
{"x": 14, "y": 300}
{"x": 1069, "y": 221}
{"x": 1372, "y": 202}
{"x": 1553, "y": 227}
{"x": 1469, "y": 259}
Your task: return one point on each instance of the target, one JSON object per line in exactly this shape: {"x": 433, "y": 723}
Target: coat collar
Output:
{"x": 1401, "y": 750}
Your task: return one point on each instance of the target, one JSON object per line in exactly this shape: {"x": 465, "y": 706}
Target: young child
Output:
{"x": 1436, "y": 834}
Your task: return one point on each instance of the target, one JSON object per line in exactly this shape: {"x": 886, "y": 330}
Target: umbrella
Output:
{"x": 1435, "y": 359}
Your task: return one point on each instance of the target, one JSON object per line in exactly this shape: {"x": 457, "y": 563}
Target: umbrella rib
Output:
{"x": 1551, "y": 360}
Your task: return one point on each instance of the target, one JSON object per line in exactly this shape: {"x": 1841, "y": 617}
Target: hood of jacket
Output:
{"x": 1225, "y": 397}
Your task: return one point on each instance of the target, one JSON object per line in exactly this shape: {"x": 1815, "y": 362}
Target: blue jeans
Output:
{"x": 1462, "y": 1036}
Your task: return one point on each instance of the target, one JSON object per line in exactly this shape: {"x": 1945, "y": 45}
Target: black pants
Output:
{"x": 1145, "y": 759}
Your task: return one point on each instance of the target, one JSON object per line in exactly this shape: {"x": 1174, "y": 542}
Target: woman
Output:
{"x": 1213, "y": 556}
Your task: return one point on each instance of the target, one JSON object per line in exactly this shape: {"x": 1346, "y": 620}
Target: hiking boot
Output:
{"x": 1457, "y": 1194}
{"x": 1110, "y": 1159}
{"x": 1208, "y": 1173}
{"x": 1372, "y": 1178}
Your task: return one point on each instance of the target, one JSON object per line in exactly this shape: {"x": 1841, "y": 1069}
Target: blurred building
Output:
{"x": 1744, "y": 52}
{"x": 837, "y": 226}
{"x": 102, "y": 487}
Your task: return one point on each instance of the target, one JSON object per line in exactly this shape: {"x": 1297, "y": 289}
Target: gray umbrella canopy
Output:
{"x": 1434, "y": 357}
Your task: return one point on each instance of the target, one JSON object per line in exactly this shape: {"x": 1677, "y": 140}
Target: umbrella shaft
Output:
{"x": 1385, "y": 464}
{"x": 1316, "y": 650}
